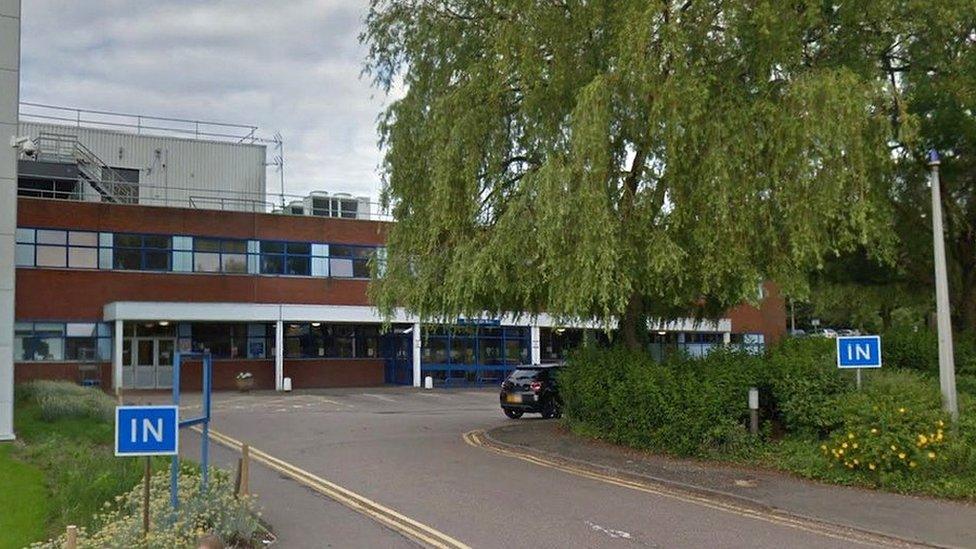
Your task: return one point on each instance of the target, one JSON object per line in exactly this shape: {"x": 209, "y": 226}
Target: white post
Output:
{"x": 9, "y": 128}
{"x": 279, "y": 355}
{"x": 536, "y": 349}
{"x": 947, "y": 368}
{"x": 726, "y": 338}
{"x": 416, "y": 354}
{"x": 117, "y": 357}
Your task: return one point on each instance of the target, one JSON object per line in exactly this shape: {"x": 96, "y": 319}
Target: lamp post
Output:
{"x": 947, "y": 368}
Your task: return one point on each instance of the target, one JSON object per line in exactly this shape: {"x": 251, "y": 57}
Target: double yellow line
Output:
{"x": 476, "y": 438}
{"x": 397, "y": 522}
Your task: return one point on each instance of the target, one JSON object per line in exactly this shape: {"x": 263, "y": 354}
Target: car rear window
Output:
{"x": 526, "y": 374}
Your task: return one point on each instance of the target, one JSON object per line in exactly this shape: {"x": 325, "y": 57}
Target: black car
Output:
{"x": 532, "y": 389}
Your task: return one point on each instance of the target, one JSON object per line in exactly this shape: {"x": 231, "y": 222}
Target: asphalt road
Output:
{"x": 404, "y": 449}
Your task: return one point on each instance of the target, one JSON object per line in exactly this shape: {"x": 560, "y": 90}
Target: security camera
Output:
{"x": 25, "y": 145}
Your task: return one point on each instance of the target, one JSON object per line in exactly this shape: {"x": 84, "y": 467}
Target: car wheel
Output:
{"x": 512, "y": 413}
{"x": 551, "y": 409}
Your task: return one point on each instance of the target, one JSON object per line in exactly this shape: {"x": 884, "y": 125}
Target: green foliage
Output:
{"x": 73, "y": 450}
{"x": 686, "y": 406}
{"x": 63, "y": 399}
{"x": 577, "y": 157}
{"x": 804, "y": 384}
{"x": 212, "y": 511}
{"x": 23, "y": 500}
{"x": 918, "y": 349}
{"x": 892, "y": 434}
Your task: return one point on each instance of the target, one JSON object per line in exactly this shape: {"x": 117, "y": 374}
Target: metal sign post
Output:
{"x": 147, "y": 431}
{"x": 858, "y": 352}
{"x": 203, "y": 420}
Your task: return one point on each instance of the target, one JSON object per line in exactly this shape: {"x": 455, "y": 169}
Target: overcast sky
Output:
{"x": 286, "y": 66}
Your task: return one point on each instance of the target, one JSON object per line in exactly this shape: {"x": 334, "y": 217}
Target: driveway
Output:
{"x": 404, "y": 448}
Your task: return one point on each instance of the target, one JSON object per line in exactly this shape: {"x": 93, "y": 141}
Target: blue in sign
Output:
{"x": 147, "y": 430}
{"x": 859, "y": 352}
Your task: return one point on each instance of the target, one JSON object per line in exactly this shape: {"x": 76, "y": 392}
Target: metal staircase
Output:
{"x": 108, "y": 183}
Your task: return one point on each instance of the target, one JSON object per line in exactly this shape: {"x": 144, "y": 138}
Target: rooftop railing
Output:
{"x": 140, "y": 123}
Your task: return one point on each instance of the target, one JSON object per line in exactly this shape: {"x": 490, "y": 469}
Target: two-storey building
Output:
{"x": 135, "y": 243}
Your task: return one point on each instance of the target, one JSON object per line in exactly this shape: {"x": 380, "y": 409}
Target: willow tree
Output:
{"x": 618, "y": 160}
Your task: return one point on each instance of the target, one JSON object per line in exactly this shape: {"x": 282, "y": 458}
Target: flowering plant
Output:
{"x": 244, "y": 375}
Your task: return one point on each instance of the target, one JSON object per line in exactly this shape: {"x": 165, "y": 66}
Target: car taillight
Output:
{"x": 536, "y": 386}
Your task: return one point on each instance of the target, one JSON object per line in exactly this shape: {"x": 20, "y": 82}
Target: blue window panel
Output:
{"x": 105, "y": 348}
{"x": 104, "y": 329}
{"x": 253, "y": 256}
{"x": 183, "y": 261}
{"x": 320, "y": 266}
{"x": 24, "y": 255}
{"x": 105, "y": 252}
{"x": 25, "y": 236}
{"x": 183, "y": 243}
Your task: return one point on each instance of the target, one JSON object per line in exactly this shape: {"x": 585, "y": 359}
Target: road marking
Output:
{"x": 615, "y": 534}
{"x": 474, "y": 438}
{"x": 390, "y": 518}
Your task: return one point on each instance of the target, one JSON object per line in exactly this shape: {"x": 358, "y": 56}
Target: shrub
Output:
{"x": 213, "y": 511}
{"x": 907, "y": 348}
{"x": 804, "y": 381}
{"x": 63, "y": 399}
{"x": 893, "y": 427}
{"x": 684, "y": 406}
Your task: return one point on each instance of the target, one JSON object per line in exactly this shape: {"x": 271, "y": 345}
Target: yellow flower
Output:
{"x": 901, "y": 455}
{"x": 940, "y": 423}
{"x": 843, "y": 445}
{"x": 823, "y": 447}
{"x": 874, "y": 431}
{"x": 854, "y": 445}
{"x": 922, "y": 439}
{"x": 893, "y": 447}
{"x": 901, "y": 410}
{"x": 931, "y": 455}
{"x": 850, "y": 435}
{"x": 871, "y": 466}
{"x": 841, "y": 452}
{"x": 912, "y": 464}
{"x": 856, "y": 462}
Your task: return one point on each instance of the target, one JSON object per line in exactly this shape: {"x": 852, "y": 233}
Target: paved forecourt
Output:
{"x": 404, "y": 449}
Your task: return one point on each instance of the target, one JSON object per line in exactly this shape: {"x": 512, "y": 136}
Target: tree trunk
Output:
{"x": 633, "y": 325}
{"x": 967, "y": 301}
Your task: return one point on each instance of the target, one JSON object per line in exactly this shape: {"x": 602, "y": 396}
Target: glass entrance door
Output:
{"x": 149, "y": 361}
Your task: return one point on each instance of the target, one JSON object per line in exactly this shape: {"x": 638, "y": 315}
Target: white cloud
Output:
{"x": 292, "y": 67}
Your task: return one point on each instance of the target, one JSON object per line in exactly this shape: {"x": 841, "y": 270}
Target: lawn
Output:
{"x": 24, "y": 500}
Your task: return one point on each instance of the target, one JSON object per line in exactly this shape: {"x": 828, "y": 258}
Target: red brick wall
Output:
{"x": 224, "y": 372}
{"x": 102, "y": 216}
{"x": 66, "y": 371}
{"x": 54, "y": 293}
{"x": 768, "y": 319}
{"x": 334, "y": 372}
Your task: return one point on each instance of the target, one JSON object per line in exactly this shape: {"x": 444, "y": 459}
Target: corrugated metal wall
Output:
{"x": 175, "y": 171}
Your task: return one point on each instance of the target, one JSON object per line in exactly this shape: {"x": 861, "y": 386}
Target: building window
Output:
{"x": 222, "y": 340}
{"x": 350, "y": 261}
{"x": 289, "y": 258}
{"x": 212, "y": 255}
{"x": 142, "y": 252}
{"x": 56, "y": 248}
{"x": 62, "y": 341}
{"x": 320, "y": 340}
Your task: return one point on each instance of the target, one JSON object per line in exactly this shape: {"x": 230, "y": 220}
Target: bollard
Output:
{"x": 245, "y": 469}
{"x": 428, "y": 382}
{"x": 71, "y": 541}
{"x": 754, "y": 410}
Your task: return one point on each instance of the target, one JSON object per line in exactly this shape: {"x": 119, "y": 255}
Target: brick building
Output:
{"x": 119, "y": 266}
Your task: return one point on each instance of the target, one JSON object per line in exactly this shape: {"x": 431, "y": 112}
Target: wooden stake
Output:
{"x": 72, "y": 537}
{"x": 145, "y": 497}
{"x": 245, "y": 469}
